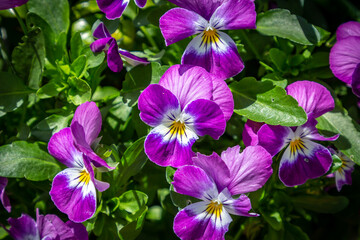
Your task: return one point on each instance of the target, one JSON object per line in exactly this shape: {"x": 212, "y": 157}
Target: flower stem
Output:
{"x": 149, "y": 38}
{"x": 21, "y": 22}
{"x": 249, "y": 43}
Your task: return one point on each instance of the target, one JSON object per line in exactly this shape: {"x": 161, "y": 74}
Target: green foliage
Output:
{"x": 29, "y": 160}
{"x": 281, "y": 23}
{"x": 264, "y": 102}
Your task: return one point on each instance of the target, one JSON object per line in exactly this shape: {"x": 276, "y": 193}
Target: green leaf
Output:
{"x": 131, "y": 162}
{"x": 22, "y": 159}
{"x": 157, "y": 71}
{"x": 321, "y": 204}
{"x": 78, "y": 67}
{"x": 54, "y": 123}
{"x": 12, "y": 92}
{"x": 133, "y": 202}
{"x": 264, "y": 102}
{"x": 293, "y": 232}
{"x": 94, "y": 59}
{"x": 51, "y": 89}
{"x": 278, "y": 57}
{"x": 55, "y": 13}
{"x": 281, "y": 23}
{"x": 336, "y": 164}
{"x": 339, "y": 122}
{"x": 132, "y": 230}
{"x": 29, "y": 58}
{"x": 76, "y": 45}
{"x": 79, "y": 92}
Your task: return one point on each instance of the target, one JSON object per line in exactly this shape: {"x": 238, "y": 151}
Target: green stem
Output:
{"x": 21, "y": 22}
{"x": 249, "y": 43}
{"x": 149, "y": 38}
{"x": 5, "y": 56}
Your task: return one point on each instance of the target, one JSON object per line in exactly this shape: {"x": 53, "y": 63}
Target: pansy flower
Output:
{"x": 49, "y": 227}
{"x": 302, "y": 158}
{"x": 214, "y": 180}
{"x": 105, "y": 42}
{"x": 345, "y": 58}
{"x": 211, "y": 49}
{"x": 114, "y": 8}
{"x": 3, "y": 197}
{"x": 6, "y": 4}
{"x": 343, "y": 173}
{"x": 186, "y": 103}
{"x": 73, "y": 190}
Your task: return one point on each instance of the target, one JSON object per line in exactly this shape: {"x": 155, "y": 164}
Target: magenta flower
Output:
{"x": 114, "y": 8}
{"x": 186, "y": 103}
{"x": 214, "y": 181}
{"x": 107, "y": 43}
{"x": 49, "y": 227}
{"x": 343, "y": 174}
{"x": 345, "y": 58}
{"x": 3, "y": 197}
{"x": 6, "y": 4}
{"x": 212, "y": 49}
{"x": 302, "y": 159}
{"x": 73, "y": 190}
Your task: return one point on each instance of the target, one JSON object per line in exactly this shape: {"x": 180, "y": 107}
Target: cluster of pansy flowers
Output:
{"x": 192, "y": 100}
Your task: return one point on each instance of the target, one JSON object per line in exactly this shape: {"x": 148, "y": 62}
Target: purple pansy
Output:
{"x": 105, "y": 42}
{"x": 345, "y": 58}
{"x": 3, "y": 197}
{"x": 114, "y": 8}
{"x": 186, "y": 103}
{"x": 212, "y": 49}
{"x": 6, "y": 4}
{"x": 48, "y": 227}
{"x": 343, "y": 173}
{"x": 215, "y": 180}
{"x": 73, "y": 190}
{"x": 302, "y": 159}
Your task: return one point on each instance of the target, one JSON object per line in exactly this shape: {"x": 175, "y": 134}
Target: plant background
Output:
{"x": 47, "y": 69}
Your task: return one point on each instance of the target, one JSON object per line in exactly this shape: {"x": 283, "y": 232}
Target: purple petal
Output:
{"x": 348, "y": 29}
{"x": 207, "y": 118}
{"x": 6, "y": 4}
{"x": 166, "y": 149}
{"x": 313, "y": 161}
{"x": 155, "y": 103}
{"x": 234, "y": 14}
{"x": 249, "y": 170}
{"x": 179, "y": 23}
{"x": 101, "y": 31}
{"x": 343, "y": 174}
{"x": 273, "y": 138}
{"x": 99, "y": 185}
{"x": 250, "y": 133}
{"x": 140, "y": 3}
{"x": 187, "y": 83}
{"x": 74, "y": 194}
{"x": 194, "y": 222}
{"x": 355, "y": 84}
{"x": 215, "y": 168}
{"x": 88, "y": 116}
{"x": 78, "y": 133}
{"x": 344, "y": 58}
{"x": 112, "y": 8}
{"x": 223, "y": 97}
{"x": 3, "y": 197}
{"x": 132, "y": 59}
{"x": 113, "y": 57}
{"x": 52, "y": 227}
{"x": 194, "y": 181}
{"x": 219, "y": 56}
{"x": 313, "y": 97}
{"x": 79, "y": 230}
{"x": 100, "y": 44}
{"x": 240, "y": 206}
{"x": 309, "y": 131}
{"x": 23, "y": 227}
{"x": 205, "y": 8}
{"x": 61, "y": 146}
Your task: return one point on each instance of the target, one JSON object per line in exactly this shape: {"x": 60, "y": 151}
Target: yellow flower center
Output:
{"x": 210, "y": 36}
{"x": 84, "y": 177}
{"x": 177, "y": 127}
{"x": 214, "y": 207}
{"x": 296, "y": 145}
